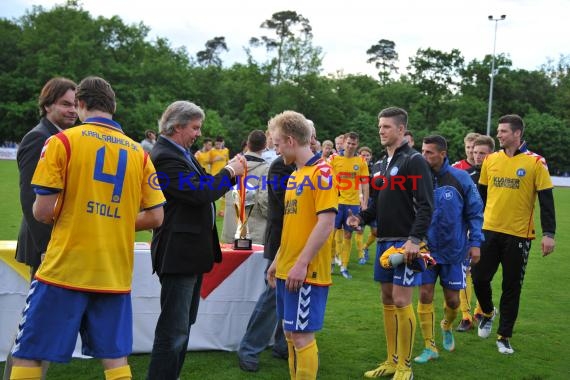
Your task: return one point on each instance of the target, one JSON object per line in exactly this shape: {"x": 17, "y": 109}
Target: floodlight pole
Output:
{"x": 492, "y": 75}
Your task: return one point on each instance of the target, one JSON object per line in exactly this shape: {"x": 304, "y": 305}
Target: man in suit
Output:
{"x": 58, "y": 112}
{"x": 186, "y": 245}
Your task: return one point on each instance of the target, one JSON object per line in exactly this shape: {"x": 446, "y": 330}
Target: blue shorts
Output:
{"x": 302, "y": 311}
{"x": 53, "y": 317}
{"x": 401, "y": 275}
{"x": 340, "y": 221}
{"x": 451, "y": 276}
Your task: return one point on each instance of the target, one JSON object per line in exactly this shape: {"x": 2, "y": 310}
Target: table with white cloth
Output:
{"x": 228, "y": 296}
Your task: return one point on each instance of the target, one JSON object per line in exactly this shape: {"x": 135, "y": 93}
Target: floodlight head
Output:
{"x": 503, "y": 17}
{"x": 490, "y": 17}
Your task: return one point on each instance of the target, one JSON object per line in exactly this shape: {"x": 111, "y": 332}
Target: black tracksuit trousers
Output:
{"x": 512, "y": 253}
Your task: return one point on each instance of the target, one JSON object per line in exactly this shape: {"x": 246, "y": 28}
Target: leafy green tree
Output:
{"x": 437, "y": 75}
{"x": 211, "y": 55}
{"x": 384, "y": 56}
{"x": 454, "y": 132}
{"x": 293, "y": 44}
{"x": 549, "y": 137}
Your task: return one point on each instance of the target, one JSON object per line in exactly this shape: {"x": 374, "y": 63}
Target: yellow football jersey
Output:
{"x": 104, "y": 179}
{"x": 348, "y": 172}
{"x": 203, "y": 159}
{"x": 310, "y": 191}
{"x": 216, "y": 166}
{"x": 512, "y": 185}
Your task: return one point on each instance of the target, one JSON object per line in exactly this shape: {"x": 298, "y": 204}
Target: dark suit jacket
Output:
{"x": 186, "y": 243}
{"x": 34, "y": 236}
{"x": 276, "y": 186}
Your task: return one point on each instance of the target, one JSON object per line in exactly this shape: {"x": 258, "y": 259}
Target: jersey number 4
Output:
{"x": 116, "y": 179}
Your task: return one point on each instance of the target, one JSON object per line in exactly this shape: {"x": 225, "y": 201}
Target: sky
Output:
{"x": 532, "y": 32}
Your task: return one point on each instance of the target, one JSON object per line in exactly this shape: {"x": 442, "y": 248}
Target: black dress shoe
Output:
{"x": 248, "y": 366}
{"x": 280, "y": 355}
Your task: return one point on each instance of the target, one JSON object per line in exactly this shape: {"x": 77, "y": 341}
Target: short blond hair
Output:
{"x": 328, "y": 143}
{"x": 291, "y": 123}
{"x": 470, "y": 137}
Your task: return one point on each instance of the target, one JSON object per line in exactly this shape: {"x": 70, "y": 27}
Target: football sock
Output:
{"x": 478, "y": 309}
{"x": 449, "y": 316}
{"x": 26, "y": 373}
{"x": 390, "y": 332}
{"x": 291, "y": 358}
{"x": 345, "y": 253}
{"x": 406, "y": 327}
{"x": 338, "y": 238}
{"x": 426, "y": 316}
{"x": 371, "y": 239}
{"x": 359, "y": 244}
{"x": 465, "y": 298}
{"x": 119, "y": 373}
{"x": 307, "y": 361}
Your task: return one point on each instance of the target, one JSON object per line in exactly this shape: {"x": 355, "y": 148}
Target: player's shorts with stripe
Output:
{"x": 401, "y": 275}
{"x": 303, "y": 310}
{"x": 451, "y": 276}
{"x": 54, "y": 316}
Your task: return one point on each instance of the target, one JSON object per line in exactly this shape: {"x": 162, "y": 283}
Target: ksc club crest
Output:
{"x": 355, "y": 168}
{"x": 299, "y": 190}
{"x": 447, "y": 195}
{"x": 394, "y": 171}
{"x": 521, "y": 172}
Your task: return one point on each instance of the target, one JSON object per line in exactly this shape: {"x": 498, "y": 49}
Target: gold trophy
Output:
{"x": 244, "y": 200}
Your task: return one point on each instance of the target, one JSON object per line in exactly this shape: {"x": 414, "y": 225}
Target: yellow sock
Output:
{"x": 371, "y": 239}
{"x": 333, "y": 244}
{"x": 478, "y": 309}
{"x": 359, "y": 244}
{"x": 406, "y": 327}
{"x": 338, "y": 238}
{"x": 426, "y": 316}
{"x": 26, "y": 373}
{"x": 449, "y": 316}
{"x": 291, "y": 358}
{"x": 119, "y": 373}
{"x": 390, "y": 332}
{"x": 465, "y": 298}
{"x": 307, "y": 361}
{"x": 345, "y": 253}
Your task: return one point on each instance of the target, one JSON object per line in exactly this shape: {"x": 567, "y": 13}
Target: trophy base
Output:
{"x": 243, "y": 244}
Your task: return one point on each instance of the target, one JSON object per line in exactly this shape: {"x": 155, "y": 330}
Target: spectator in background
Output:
{"x": 339, "y": 144}
{"x": 203, "y": 155}
{"x": 269, "y": 153}
{"x": 84, "y": 283}
{"x": 482, "y": 147}
{"x": 468, "y": 161}
{"x": 186, "y": 245}
{"x": 149, "y": 140}
{"x": 219, "y": 155}
{"x": 366, "y": 153}
{"x": 58, "y": 111}
{"x": 352, "y": 173}
{"x": 256, "y": 193}
{"x": 410, "y": 138}
{"x": 327, "y": 149}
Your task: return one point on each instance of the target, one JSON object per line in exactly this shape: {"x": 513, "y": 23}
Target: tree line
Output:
{"x": 442, "y": 93}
